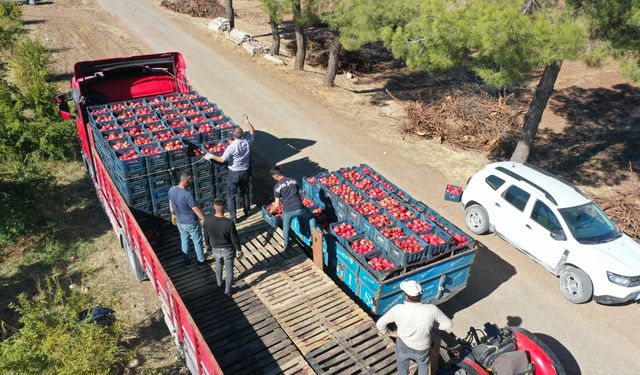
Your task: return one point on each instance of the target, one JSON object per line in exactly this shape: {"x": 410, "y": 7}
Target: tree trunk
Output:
{"x": 228, "y": 7}
{"x": 301, "y": 38}
{"x": 275, "y": 41}
{"x": 332, "y": 66}
{"x": 534, "y": 113}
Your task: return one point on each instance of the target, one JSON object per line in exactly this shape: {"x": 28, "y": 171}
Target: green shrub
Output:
{"x": 26, "y": 192}
{"x": 10, "y": 24}
{"x": 29, "y": 70}
{"x": 52, "y": 339}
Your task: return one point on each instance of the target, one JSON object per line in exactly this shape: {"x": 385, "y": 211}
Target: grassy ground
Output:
{"x": 81, "y": 250}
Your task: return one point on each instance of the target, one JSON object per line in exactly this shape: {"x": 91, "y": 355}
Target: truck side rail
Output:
{"x": 197, "y": 354}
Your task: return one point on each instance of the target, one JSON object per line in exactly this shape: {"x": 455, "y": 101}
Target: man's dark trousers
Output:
{"x": 238, "y": 181}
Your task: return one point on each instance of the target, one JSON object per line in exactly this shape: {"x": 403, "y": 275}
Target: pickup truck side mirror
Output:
{"x": 558, "y": 235}
{"x": 63, "y": 106}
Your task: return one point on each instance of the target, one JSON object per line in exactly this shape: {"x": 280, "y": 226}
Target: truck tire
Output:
{"x": 132, "y": 259}
{"x": 477, "y": 219}
{"x": 575, "y": 285}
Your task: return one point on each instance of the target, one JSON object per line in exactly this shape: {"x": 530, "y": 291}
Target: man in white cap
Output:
{"x": 414, "y": 321}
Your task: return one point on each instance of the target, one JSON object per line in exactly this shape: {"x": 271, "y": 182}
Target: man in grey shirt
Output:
{"x": 414, "y": 321}
{"x": 237, "y": 155}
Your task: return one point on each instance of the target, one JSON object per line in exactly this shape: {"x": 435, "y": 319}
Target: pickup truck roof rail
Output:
{"x": 522, "y": 179}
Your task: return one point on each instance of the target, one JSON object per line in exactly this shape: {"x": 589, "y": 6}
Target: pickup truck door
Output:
{"x": 508, "y": 215}
{"x": 541, "y": 221}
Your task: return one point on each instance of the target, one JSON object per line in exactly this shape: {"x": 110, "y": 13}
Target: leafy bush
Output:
{"x": 26, "y": 190}
{"x": 53, "y": 340}
{"x": 10, "y": 23}
{"x": 29, "y": 70}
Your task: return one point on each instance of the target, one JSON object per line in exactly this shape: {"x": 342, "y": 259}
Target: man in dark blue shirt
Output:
{"x": 185, "y": 214}
{"x": 287, "y": 192}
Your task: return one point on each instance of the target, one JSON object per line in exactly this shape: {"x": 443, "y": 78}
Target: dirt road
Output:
{"x": 305, "y": 135}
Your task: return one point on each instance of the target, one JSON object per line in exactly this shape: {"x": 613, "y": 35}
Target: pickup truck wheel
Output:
{"x": 477, "y": 219}
{"x": 575, "y": 285}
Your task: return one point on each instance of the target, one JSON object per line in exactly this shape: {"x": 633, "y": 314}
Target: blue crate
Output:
{"x": 341, "y": 240}
{"x": 434, "y": 250}
{"x": 368, "y": 228}
{"x": 155, "y": 162}
{"x": 140, "y": 202}
{"x": 168, "y": 98}
{"x": 131, "y": 187}
{"x": 418, "y": 205}
{"x": 159, "y": 180}
{"x": 415, "y": 213}
{"x": 431, "y": 214}
{"x": 112, "y": 142}
{"x": 203, "y": 193}
{"x": 425, "y": 219}
{"x": 452, "y": 197}
{"x": 381, "y": 241}
{"x": 163, "y": 127}
{"x": 131, "y": 167}
{"x": 106, "y": 126}
{"x": 272, "y": 220}
{"x": 380, "y": 275}
{"x": 210, "y": 110}
{"x": 341, "y": 172}
{"x": 203, "y": 185}
{"x": 97, "y": 107}
{"x": 309, "y": 188}
{"x": 145, "y": 137}
{"x": 207, "y": 135}
{"x": 134, "y": 103}
{"x": 178, "y": 157}
{"x": 404, "y": 196}
{"x": 401, "y": 258}
{"x": 360, "y": 257}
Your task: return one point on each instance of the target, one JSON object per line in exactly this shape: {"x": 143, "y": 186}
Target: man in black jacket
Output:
{"x": 220, "y": 233}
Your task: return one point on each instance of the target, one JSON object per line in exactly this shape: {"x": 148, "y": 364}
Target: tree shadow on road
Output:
{"x": 601, "y": 139}
{"x": 488, "y": 272}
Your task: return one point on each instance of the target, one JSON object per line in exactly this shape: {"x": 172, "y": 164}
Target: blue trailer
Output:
{"x": 440, "y": 280}
{"x": 442, "y": 273}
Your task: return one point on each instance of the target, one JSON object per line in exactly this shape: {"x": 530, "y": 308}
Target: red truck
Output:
{"x": 122, "y": 79}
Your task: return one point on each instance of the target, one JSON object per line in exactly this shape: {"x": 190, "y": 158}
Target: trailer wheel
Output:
{"x": 575, "y": 285}
{"x": 132, "y": 258}
{"x": 477, "y": 219}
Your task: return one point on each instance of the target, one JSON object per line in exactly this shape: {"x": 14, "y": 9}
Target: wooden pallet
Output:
{"x": 284, "y": 315}
{"x": 332, "y": 332}
{"x": 241, "y": 332}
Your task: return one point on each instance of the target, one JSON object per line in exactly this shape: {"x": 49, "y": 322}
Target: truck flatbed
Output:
{"x": 284, "y": 316}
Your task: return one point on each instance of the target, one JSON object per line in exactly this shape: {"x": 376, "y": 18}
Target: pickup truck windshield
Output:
{"x": 589, "y": 225}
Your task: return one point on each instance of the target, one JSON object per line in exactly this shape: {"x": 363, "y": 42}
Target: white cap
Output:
{"x": 411, "y": 288}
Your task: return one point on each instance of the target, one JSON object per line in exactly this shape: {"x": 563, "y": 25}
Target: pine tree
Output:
{"x": 228, "y": 9}
{"x": 614, "y": 31}
{"x": 503, "y": 42}
{"x": 275, "y": 10}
